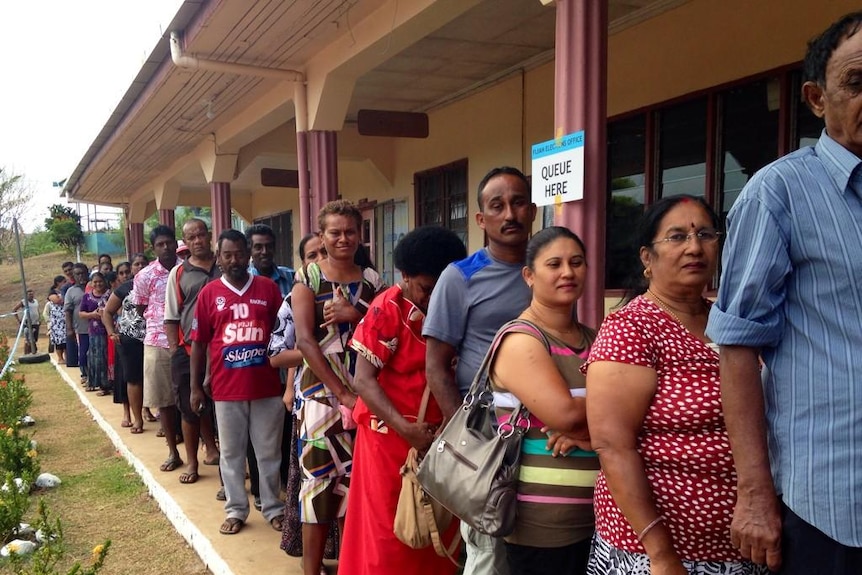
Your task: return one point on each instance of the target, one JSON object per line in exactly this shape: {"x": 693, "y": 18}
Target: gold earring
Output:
{"x": 647, "y": 273}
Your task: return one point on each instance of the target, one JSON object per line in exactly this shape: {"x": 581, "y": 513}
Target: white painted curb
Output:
{"x": 172, "y": 510}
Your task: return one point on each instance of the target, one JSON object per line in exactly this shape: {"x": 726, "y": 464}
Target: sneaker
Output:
{"x": 257, "y": 503}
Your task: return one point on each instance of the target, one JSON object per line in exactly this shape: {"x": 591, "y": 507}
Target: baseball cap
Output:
{"x": 182, "y": 248}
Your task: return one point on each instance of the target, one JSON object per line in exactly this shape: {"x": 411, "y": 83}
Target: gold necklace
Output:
{"x": 663, "y": 305}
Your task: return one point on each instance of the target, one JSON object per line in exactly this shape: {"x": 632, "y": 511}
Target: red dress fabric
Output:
{"x": 390, "y": 338}
{"x": 683, "y": 443}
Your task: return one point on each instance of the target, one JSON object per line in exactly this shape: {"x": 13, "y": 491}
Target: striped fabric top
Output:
{"x": 555, "y": 494}
{"x": 790, "y": 286}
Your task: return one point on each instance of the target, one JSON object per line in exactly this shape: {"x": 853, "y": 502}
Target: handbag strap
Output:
{"x": 424, "y": 405}
{"x": 480, "y": 383}
{"x": 437, "y": 538}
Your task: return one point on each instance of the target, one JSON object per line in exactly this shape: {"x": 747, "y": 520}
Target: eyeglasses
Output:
{"x": 707, "y": 236}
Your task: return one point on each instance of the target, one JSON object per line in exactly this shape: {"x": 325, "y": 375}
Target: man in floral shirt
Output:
{"x": 149, "y": 297}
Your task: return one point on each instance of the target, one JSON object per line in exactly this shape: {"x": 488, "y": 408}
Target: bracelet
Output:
{"x": 648, "y": 528}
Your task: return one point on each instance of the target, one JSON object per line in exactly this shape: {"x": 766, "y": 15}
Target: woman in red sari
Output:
{"x": 390, "y": 381}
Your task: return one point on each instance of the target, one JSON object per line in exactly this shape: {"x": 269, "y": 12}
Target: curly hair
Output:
{"x": 427, "y": 251}
{"x": 339, "y": 208}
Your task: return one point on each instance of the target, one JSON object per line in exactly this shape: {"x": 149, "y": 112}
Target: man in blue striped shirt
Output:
{"x": 791, "y": 295}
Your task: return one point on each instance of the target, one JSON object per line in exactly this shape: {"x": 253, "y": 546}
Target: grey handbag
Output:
{"x": 472, "y": 467}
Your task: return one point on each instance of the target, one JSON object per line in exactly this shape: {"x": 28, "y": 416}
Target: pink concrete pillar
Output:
{"x": 167, "y": 218}
{"x": 306, "y": 213}
{"x": 580, "y": 103}
{"x": 135, "y": 240}
{"x": 220, "y": 199}
{"x": 324, "y": 168}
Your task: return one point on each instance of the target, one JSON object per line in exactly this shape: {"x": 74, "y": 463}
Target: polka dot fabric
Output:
{"x": 684, "y": 443}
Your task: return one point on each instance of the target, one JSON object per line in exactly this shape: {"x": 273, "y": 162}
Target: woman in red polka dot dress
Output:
{"x": 665, "y": 496}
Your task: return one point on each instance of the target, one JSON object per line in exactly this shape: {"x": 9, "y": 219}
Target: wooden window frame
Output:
{"x": 456, "y": 166}
{"x": 786, "y": 136}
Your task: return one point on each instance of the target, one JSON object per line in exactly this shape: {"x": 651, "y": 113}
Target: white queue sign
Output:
{"x": 558, "y": 170}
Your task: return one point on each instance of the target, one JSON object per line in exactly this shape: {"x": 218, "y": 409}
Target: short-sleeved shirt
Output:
{"x": 390, "y": 338}
{"x": 473, "y": 298}
{"x": 181, "y": 296}
{"x": 790, "y": 287}
{"x": 72, "y": 304}
{"x": 150, "y": 287}
{"x": 236, "y": 324}
{"x": 91, "y": 302}
{"x": 281, "y": 275}
{"x": 65, "y": 288}
{"x": 683, "y": 442}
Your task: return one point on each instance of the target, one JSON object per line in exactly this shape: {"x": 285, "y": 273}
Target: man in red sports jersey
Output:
{"x": 234, "y": 318}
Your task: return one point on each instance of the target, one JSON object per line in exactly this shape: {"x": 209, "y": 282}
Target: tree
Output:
{"x": 64, "y": 226}
{"x": 37, "y": 243}
{"x": 15, "y": 195}
{"x": 182, "y": 214}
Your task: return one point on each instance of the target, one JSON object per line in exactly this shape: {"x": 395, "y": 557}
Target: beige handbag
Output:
{"x": 419, "y": 520}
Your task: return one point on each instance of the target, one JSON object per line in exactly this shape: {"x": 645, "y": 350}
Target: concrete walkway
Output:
{"x": 192, "y": 509}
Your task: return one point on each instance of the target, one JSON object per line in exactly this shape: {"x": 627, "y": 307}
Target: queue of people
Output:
{"x": 681, "y": 436}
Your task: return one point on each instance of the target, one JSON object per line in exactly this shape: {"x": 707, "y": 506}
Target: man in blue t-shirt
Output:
{"x": 261, "y": 242}
{"x": 472, "y": 299}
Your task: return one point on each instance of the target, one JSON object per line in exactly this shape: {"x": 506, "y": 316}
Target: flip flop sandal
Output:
{"x": 189, "y": 477}
{"x": 126, "y": 424}
{"x": 220, "y": 495}
{"x": 136, "y": 429}
{"x": 231, "y": 526}
{"x": 277, "y": 522}
{"x": 150, "y": 417}
{"x": 171, "y": 463}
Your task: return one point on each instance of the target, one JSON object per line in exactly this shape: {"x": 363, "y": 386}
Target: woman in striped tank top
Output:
{"x": 537, "y": 364}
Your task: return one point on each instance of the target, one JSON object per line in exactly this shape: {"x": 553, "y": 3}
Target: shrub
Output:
{"x": 13, "y": 505}
{"x": 45, "y": 559}
{"x": 17, "y": 455}
{"x": 15, "y": 398}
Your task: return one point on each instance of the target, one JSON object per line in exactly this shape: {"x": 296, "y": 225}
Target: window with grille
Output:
{"x": 441, "y": 198}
